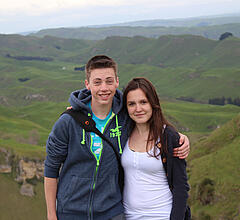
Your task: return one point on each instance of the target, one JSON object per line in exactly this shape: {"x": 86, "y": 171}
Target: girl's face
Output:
{"x": 139, "y": 108}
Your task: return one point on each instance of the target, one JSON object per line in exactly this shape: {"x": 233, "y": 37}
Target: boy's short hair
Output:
{"x": 100, "y": 62}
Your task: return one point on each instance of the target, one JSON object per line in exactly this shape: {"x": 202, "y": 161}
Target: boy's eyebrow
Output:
{"x": 110, "y": 77}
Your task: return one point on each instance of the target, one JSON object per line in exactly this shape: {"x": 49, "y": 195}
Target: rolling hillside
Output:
{"x": 181, "y": 66}
{"x": 214, "y": 174}
{"x": 38, "y": 74}
{"x": 99, "y": 33}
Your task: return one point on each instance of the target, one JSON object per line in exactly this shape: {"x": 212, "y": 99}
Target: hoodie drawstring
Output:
{"x": 83, "y": 136}
{"x": 83, "y": 133}
{"x": 118, "y": 136}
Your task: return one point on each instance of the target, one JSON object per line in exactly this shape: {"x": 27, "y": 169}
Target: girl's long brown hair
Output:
{"x": 157, "y": 121}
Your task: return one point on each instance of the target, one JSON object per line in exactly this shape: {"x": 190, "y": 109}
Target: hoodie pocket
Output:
{"x": 76, "y": 196}
{"x": 107, "y": 193}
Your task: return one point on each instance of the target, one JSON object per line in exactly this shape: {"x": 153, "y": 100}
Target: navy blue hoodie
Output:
{"x": 87, "y": 189}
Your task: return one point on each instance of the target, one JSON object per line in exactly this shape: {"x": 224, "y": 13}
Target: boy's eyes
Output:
{"x": 97, "y": 82}
{"x": 108, "y": 82}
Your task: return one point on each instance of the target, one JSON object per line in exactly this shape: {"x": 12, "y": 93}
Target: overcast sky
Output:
{"x": 32, "y": 15}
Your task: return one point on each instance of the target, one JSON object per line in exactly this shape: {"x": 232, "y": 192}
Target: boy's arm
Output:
{"x": 50, "y": 188}
{"x": 57, "y": 149}
{"x": 183, "y": 151}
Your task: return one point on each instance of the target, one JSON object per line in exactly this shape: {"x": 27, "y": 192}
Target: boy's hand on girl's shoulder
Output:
{"x": 183, "y": 151}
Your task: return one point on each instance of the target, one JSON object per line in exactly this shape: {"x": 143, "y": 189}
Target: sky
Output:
{"x": 17, "y": 16}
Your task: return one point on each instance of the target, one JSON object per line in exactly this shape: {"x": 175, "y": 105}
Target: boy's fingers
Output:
{"x": 181, "y": 152}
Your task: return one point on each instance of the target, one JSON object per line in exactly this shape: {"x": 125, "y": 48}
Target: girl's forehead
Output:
{"x": 136, "y": 94}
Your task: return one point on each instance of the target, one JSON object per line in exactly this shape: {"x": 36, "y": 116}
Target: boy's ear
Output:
{"x": 117, "y": 80}
{"x": 87, "y": 84}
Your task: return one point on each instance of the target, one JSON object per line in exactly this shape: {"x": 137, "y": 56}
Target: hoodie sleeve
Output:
{"x": 57, "y": 147}
{"x": 178, "y": 178}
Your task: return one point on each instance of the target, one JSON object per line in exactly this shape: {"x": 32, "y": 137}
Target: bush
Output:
{"x": 206, "y": 191}
{"x": 225, "y": 35}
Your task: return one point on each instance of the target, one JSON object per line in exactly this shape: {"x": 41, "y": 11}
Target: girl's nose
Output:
{"x": 138, "y": 107}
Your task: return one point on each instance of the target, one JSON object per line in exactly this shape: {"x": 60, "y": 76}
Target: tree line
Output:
{"x": 224, "y": 101}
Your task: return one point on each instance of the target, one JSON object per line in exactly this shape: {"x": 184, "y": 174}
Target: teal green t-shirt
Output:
{"x": 96, "y": 140}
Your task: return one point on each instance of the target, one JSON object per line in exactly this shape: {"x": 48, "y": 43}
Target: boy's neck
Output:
{"x": 101, "y": 111}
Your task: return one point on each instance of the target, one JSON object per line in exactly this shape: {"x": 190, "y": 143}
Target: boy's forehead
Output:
{"x": 102, "y": 73}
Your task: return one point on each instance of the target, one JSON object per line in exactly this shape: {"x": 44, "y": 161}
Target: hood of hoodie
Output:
{"x": 79, "y": 99}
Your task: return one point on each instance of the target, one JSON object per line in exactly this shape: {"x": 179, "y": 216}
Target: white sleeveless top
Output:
{"x": 146, "y": 194}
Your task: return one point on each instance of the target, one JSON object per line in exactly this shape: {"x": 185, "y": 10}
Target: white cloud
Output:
{"x": 38, "y": 7}
{"x": 32, "y": 7}
{"x": 23, "y": 15}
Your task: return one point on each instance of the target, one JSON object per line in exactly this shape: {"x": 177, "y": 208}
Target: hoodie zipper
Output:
{"x": 97, "y": 166}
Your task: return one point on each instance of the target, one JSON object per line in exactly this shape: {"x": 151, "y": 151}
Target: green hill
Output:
{"x": 181, "y": 66}
{"x": 18, "y": 45}
{"x": 214, "y": 174}
{"x": 166, "y": 51}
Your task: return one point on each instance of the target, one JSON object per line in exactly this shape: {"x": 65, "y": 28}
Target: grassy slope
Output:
{"x": 217, "y": 158}
{"x": 16, "y": 207}
{"x": 21, "y": 130}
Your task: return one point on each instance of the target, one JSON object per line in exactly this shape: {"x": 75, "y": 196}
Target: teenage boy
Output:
{"x": 81, "y": 170}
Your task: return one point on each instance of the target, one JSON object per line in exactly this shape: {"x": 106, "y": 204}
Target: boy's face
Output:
{"x": 103, "y": 84}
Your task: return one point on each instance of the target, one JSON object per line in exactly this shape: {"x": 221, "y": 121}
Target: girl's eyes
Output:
{"x": 144, "y": 102}
{"x": 131, "y": 104}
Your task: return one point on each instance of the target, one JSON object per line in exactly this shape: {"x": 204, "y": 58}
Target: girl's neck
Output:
{"x": 142, "y": 130}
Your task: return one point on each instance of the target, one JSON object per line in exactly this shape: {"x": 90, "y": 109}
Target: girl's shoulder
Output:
{"x": 172, "y": 135}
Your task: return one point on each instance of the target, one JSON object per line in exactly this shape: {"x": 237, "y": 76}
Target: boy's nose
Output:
{"x": 103, "y": 86}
